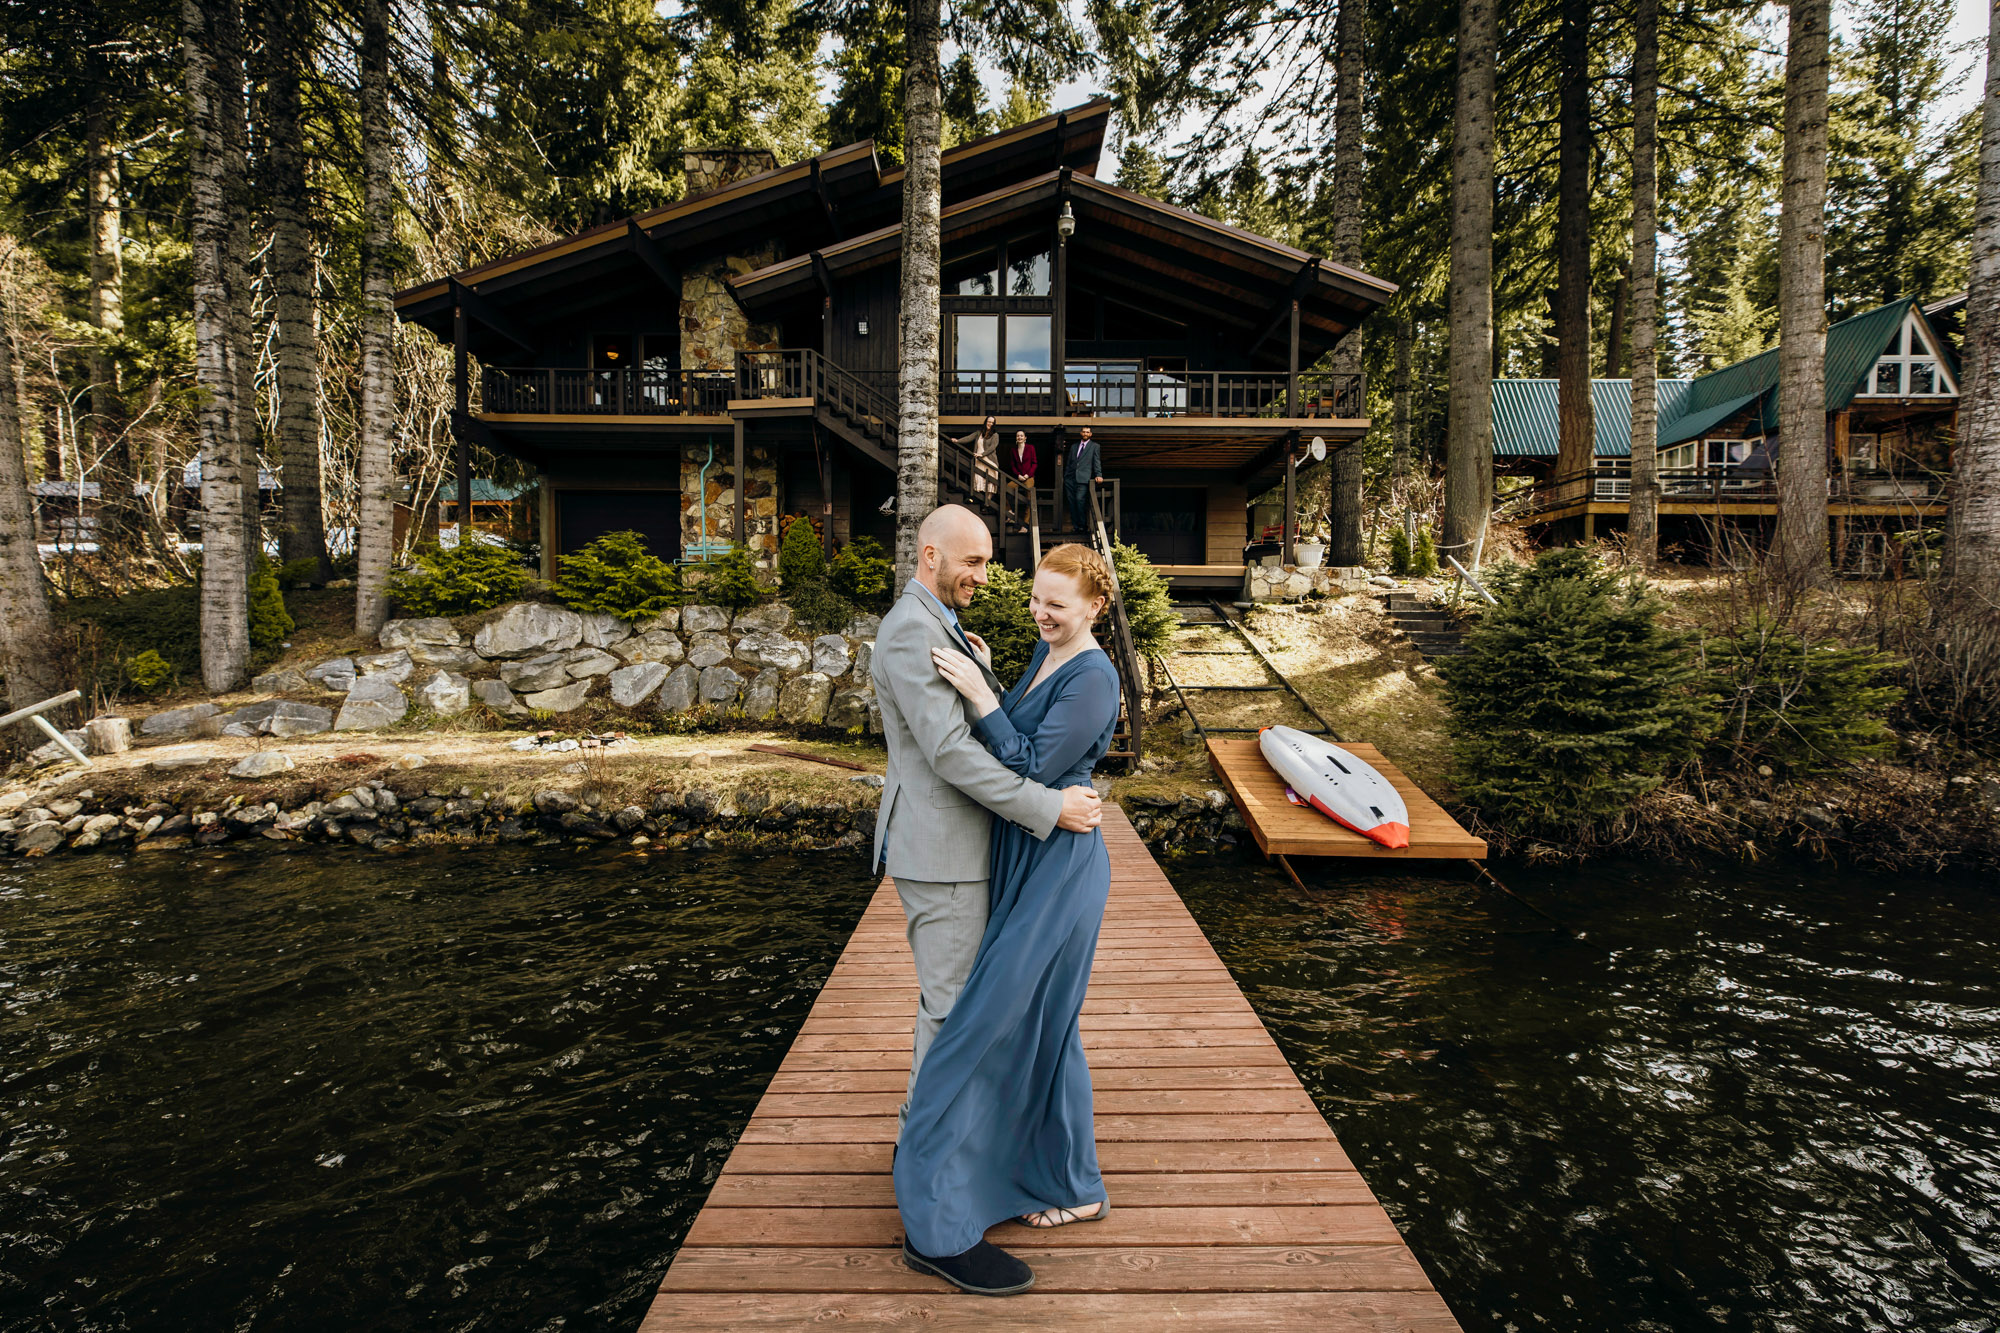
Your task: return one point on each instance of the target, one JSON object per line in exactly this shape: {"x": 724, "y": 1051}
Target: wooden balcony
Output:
{"x": 1723, "y": 491}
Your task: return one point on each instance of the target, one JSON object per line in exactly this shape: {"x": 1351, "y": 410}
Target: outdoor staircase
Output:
{"x": 1432, "y": 631}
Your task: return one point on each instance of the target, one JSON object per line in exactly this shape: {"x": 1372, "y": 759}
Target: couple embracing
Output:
{"x": 989, "y": 827}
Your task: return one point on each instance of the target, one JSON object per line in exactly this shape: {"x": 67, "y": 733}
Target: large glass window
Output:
{"x": 978, "y": 275}
{"x": 1028, "y": 342}
{"x": 1909, "y": 368}
{"x": 1029, "y": 274}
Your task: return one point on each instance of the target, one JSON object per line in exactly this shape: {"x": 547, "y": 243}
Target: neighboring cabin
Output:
{"x": 1891, "y": 420}
{"x": 749, "y": 333}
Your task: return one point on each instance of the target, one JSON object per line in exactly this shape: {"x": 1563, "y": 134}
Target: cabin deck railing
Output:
{"x": 1720, "y": 486}
{"x": 627, "y": 391}
{"x": 1090, "y": 389}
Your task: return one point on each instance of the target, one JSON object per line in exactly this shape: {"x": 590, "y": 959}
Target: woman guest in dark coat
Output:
{"x": 1021, "y": 459}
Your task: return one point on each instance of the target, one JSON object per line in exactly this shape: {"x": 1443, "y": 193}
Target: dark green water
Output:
{"x": 1746, "y": 1100}
{"x": 348, "y": 1091}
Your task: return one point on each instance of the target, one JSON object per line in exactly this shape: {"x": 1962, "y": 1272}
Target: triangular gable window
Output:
{"x": 1910, "y": 366}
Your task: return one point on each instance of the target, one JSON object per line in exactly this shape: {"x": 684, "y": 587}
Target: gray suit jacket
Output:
{"x": 934, "y": 823}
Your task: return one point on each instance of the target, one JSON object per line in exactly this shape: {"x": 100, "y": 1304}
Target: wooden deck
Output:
{"x": 1234, "y": 1206}
{"x": 1284, "y": 829}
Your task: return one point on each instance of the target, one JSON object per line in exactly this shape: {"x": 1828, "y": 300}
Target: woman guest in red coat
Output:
{"x": 1021, "y": 461}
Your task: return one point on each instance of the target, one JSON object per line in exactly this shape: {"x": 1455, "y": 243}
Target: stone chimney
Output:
{"x": 712, "y": 168}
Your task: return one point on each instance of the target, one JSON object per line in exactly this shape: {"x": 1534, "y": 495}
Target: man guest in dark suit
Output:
{"x": 1082, "y": 464}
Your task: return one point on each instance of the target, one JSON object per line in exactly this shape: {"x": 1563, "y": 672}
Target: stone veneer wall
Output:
{"x": 713, "y": 330}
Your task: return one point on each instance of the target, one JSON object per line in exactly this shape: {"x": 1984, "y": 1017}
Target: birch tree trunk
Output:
{"x": 118, "y": 517}
{"x": 1345, "y": 502}
{"x": 917, "y": 357}
{"x": 1799, "y": 547}
{"x": 27, "y": 635}
{"x": 211, "y": 41}
{"x": 1468, "y": 475}
{"x": 1974, "y": 548}
{"x": 375, "y": 538}
{"x": 302, "y": 535}
{"x": 1576, "y": 433}
{"x": 1644, "y": 523}
{"x": 1399, "y": 441}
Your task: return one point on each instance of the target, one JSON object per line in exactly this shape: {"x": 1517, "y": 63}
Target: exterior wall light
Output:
{"x": 1066, "y": 222}
{"x": 861, "y": 328}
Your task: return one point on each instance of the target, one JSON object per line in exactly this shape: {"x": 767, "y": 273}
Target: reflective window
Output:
{"x": 976, "y": 342}
{"x": 977, "y": 276}
{"x": 1028, "y": 342}
{"x": 1029, "y": 275}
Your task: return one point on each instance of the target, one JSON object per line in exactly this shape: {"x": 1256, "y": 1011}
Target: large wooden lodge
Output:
{"x": 698, "y": 372}
{"x": 1891, "y": 421}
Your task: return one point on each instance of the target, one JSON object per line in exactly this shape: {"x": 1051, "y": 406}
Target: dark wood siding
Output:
{"x": 871, "y": 296}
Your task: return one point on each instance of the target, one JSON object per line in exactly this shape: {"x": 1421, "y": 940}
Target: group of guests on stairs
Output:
{"x": 1083, "y": 463}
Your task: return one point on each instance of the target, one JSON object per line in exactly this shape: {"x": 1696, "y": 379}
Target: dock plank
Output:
{"x": 1234, "y": 1205}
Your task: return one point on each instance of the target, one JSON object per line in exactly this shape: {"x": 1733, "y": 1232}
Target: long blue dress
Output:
{"x": 1000, "y": 1117}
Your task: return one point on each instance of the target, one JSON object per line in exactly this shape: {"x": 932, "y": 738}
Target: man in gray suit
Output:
{"x": 944, "y": 786}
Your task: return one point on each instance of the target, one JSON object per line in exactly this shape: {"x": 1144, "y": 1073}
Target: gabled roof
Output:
{"x": 1524, "y": 415}
{"x": 1169, "y": 258}
{"x": 839, "y": 192}
{"x": 1852, "y": 348}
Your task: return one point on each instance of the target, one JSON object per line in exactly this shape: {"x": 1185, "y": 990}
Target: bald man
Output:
{"x": 944, "y": 786}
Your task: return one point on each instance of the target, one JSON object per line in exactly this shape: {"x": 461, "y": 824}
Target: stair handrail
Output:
{"x": 1125, "y": 657}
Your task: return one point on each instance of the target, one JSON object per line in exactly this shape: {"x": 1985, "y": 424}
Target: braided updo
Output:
{"x": 1087, "y": 567}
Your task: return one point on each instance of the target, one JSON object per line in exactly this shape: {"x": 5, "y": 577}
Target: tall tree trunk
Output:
{"x": 118, "y": 519}
{"x": 1468, "y": 471}
{"x": 1644, "y": 522}
{"x": 1399, "y": 446}
{"x": 1576, "y": 434}
{"x": 1345, "y": 503}
{"x": 212, "y": 45}
{"x": 1799, "y": 548}
{"x": 375, "y": 539}
{"x": 917, "y": 376}
{"x": 1974, "y": 549}
{"x": 27, "y": 637}
{"x": 1614, "y": 337}
{"x": 293, "y": 285}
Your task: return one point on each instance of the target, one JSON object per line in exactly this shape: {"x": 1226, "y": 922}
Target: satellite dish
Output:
{"x": 1319, "y": 449}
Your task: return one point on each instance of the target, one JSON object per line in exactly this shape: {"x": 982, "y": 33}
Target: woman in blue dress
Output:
{"x": 1000, "y": 1118}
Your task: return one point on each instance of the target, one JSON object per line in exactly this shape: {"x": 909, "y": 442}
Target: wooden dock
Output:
{"x": 1234, "y": 1206}
{"x": 1284, "y": 829}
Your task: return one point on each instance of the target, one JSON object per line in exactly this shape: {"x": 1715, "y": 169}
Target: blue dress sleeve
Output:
{"x": 1086, "y": 701}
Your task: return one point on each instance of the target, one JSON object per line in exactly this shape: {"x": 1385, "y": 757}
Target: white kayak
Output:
{"x": 1342, "y": 786}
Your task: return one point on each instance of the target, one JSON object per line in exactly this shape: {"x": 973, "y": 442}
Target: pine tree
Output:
{"x": 1570, "y": 699}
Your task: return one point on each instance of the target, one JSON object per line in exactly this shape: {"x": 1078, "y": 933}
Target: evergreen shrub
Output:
{"x": 731, "y": 580}
{"x": 800, "y": 559}
{"x": 999, "y": 614}
{"x": 863, "y": 574}
{"x": 270, "y": 622}
{"x": 299, "y": 573}
{"x": 1570, "y": 699}
{"x": 456, "y": 581}
{"x": 1801, "y": 705}
{"x": 148, "y": 672}
{"x": 1424, "y": 560}
{"x": 1149, "y": 610}
{"x": 616, "y": 575}
{"x": 1399, "y": 552}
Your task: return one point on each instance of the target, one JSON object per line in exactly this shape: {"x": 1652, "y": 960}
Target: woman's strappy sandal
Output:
{"x": 1063, "y": 1217}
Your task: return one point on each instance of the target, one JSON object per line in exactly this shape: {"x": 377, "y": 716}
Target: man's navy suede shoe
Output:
{"x": 983, "y": 1270}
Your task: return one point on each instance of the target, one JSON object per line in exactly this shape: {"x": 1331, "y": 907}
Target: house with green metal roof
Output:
{"x": 1891, "y": 410}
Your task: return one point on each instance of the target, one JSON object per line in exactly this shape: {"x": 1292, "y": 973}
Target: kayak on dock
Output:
{"x": 1339, "y": 784}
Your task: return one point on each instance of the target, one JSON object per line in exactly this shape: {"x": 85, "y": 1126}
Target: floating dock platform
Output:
{"x": 1284, "y": 829}
{"x": 1234, "y": 1206}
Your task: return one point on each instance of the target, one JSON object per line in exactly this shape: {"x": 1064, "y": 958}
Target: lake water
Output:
{"x": 1745, "y": 1099}
{"x": 489, "y": 1089}
{"x": 334, "y": 1090}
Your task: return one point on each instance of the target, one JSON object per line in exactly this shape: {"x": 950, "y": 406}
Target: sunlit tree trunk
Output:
{"x": 1468, "y": 477}
{"x": 212, "y": 49}
{"x": 1576, "y": 434}
{"x": 1799, "y": 548}
{"x": 1975, "y": 487}
{"x": 1349, "y": 131}
{"x": 917, "y": 358}
{"x": 375, "y": 535}
{"x": 1644, "y": 523}
{"x": 1399, "y": 441}
{"x": 118, "y": 515}
{"x": 302, "y": 535}
{"x": 26, "y": 633}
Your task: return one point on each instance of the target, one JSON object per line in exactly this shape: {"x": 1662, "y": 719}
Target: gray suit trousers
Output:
{"x": 946, "y": 923}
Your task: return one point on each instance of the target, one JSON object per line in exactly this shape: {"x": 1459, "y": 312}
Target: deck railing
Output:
{"x": 627, "y": 391}
{"x": 1721, "y": 486}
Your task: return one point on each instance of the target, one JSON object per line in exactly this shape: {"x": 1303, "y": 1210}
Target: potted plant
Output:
{"x": 1309, "y": 549}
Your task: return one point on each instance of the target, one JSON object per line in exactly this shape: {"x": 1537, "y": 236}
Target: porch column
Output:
{"x": 462, "y": 403}
{"x": 1292, "y": 389}
{"x": 824, "y": 453}
{"x": 741, "y": 532}
{"x": 1059, "y": 327}
{"x": 1291, "y": 482}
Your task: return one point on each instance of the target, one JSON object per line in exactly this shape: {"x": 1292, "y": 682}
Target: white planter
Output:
{"x": 1309, "y": 554}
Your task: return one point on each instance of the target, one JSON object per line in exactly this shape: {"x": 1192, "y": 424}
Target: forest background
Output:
{"x": 378, "y": 143}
